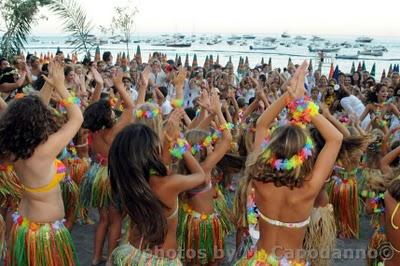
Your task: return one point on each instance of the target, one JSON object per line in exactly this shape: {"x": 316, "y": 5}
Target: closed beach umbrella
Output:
{"x": 262, "y": 61}
{"x": 383, "y": 75}
{"x": 373, "y": 70}
{"x": 310, "y": 66}
{"x": 186, "y": 61}
{"x": 363, "y": 68}
{"x": 336, "y": 73}
{"x": 217, "y": 61}
{"x": 390, "y": 70}
{"x": 359, "y": 68}
{"x": 331, "y": 71}
{"x": 353, "y": 68}
{"x": 194, "y": 62}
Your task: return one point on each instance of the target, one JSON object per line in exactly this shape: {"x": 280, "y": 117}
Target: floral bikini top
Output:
{"x": 57, "y": 178}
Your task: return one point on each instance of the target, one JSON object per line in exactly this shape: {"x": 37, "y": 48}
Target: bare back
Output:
{"x": 285, "y": 205}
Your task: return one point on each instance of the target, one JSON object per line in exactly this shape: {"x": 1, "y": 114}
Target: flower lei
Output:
{"x": 302, "y": 110}
{"x": 295, "y": 161}
{"x": 374, "y": 200}
{"x": 147, "y": 114}
{"x": 210, "y": 139}
{"x": 177, "y": 103}
{"x": 178, "y": 149}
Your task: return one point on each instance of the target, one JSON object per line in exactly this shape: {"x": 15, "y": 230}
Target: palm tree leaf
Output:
{"x": 75, "y": 22}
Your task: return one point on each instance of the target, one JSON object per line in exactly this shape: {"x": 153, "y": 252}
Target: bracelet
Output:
{"x": 179, "y": 148}
{"x": 225, "y": 126}
{"x": 69, "y": 101}
{"x": 302, "y": 110}
{"x": 177, "y": 103}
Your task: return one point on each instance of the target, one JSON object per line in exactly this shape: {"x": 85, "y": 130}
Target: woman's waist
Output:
{"x": 280, "y": 243}
{"x": 42, "y": 209}
{"x": 202, "y": 203}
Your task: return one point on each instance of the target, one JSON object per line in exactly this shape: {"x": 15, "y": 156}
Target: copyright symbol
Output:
{"x": 385, "y": 251}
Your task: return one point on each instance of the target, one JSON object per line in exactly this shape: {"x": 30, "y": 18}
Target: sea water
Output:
{"x": 279, "y": 56}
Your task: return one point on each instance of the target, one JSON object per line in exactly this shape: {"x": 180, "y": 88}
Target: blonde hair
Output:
{"x": 285, "y": 142}
{"x": 155, "y": 123}
{"x": 197, "y": 136}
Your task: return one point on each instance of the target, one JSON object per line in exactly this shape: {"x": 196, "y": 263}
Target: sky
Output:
{"x": 322, "y": 17}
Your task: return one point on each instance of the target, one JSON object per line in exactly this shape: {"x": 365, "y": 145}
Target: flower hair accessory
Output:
{"x": 179, "y": 148}
{"x": 297, "y": 160}
{"x": 302, "y": 110}
{"x": 147, "y": 114}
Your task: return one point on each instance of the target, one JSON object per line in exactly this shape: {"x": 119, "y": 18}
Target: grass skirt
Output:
{"x": 78, "y": 168}
{"x": 262, "y": 258}
{"x": 128, "y": 255}
{"x": 10, "y": 188}
{"x": 95, "y": 189}
{"x": 2, "y": 236}
{"x": 40, "y": 244}
{"x": 225, "y": 214}
{"x": 343, "y": 195}
{"x": 377, "y": 239}
{"x": 70, "y": 195}
{"x": 200, "y": 236}
{"x": 321, "y": 235}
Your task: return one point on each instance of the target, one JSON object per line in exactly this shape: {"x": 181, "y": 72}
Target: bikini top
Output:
{"x": 57, "y": 177}
{"x": 175, "y": 211}
{"x": 283, "y": 224}
{"x": 197, "y": 191}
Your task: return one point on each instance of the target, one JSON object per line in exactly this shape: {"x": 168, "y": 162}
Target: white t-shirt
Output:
{"x": 166, "y": 107}
{"x": 159, "y": 79}
{"x": 352, "y": 104}
{"x": 134, "y": 93}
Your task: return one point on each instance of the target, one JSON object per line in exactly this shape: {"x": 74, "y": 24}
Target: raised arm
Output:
{"x": 127, "y": 115}
{"x": 99, "y": 85}
{"x": 388, "y": 159}
{"x": 143, "y": 82}
{"x": 57, "y": 141}
{"x": 179, "y": 82}
{"x": 327, "y": 114}
{"x": 223, "y": 145}
{"x": 366, "y": 112}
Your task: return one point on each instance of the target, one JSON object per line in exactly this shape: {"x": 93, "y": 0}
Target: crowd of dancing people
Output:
{"x": 175, "y": 157}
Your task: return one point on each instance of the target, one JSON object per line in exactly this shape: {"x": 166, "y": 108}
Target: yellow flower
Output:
{"x": 262, "y": 255}
{"x": 203, "y": 216}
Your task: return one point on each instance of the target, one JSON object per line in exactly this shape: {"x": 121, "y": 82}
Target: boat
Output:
{"x": 378, "y": 48}
{"x": 370, "y": 52}
{"x": 33, "y": 39}
{"x": 178, "y": 36}
{"x": 248, "y": 37}
{"x": 325, "y": 49}
{"x": 263, "y": 47}
{"x": 285, "y": 35}
{"x": 300, "y": 38}
{"x": 234, "y": 37}
{"x": 230, "y": 42}
{"x": 158, "y": 43}
{"x": 364, "y": 39}
{"x": 179, "y": 44}
{"x": 269, "y": 39}
{"x": 349, "y": 57}
{"x": 244, "y": 43}
{"x": 317, "y": 39}
{"x": 346, "y": 44}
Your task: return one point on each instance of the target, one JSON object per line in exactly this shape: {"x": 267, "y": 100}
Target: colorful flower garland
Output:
{"x": 147, "y": 114}
{"x": 302, "y": 110}
{"x": 178, "y": 149}
{"x": 210, "y": 139}
{"x": 69, "y": 101}
{"x": 295, "y": 161}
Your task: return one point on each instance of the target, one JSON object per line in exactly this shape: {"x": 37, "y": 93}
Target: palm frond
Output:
{"x": 18, "y": 17}
{"x": 75, "y": 22}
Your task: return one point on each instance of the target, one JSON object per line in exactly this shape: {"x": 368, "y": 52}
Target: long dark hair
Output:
{"x": 372, "y": 96}
{"x": 134, "y": 153}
